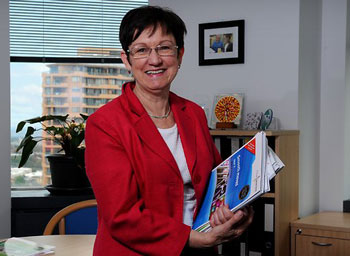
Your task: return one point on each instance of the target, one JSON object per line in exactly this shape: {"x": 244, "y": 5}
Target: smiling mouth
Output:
{"x": 153, "y": 72}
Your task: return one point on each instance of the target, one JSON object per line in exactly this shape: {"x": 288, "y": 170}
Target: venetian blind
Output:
{"x": 75, "y": 30}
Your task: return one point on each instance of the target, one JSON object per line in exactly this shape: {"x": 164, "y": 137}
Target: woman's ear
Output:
{"x": 125, "y": 60}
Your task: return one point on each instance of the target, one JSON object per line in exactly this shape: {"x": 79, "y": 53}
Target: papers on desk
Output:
{"x": 21, "y": 247}
{"x": 239, "y": 180}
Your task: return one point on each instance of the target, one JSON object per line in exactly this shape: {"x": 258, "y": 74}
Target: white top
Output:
{"x": 172, "y": 138}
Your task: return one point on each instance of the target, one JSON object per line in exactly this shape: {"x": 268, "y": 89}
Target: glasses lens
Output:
{"x": 140, "y": 52}
{"x": 166, "y": 50}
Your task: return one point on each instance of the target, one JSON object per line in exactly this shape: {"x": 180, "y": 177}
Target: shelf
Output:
{"x": 237, "y": 132}
{"x": 283, "y": 196}
{"x": 268, "y": 195}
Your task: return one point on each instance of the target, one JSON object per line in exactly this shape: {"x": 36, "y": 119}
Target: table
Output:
{"x": 67, "y": 245}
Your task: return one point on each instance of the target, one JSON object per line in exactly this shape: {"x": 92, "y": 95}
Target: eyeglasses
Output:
{"x": 139, "y": 52}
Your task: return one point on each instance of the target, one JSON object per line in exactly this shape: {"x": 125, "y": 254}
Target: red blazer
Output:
{"x": 136, "y": 181}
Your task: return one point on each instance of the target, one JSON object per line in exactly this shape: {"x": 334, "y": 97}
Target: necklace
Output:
{"x": 161, "y": 117}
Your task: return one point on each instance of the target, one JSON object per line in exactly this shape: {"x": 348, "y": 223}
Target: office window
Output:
{"x": 59, "y": 49}
{"x": 28, "y": 82}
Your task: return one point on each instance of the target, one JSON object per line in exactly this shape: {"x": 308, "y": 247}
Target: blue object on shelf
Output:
{"x": 266, "y": 119}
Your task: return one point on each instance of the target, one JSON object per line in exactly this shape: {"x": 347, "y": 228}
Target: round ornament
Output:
{"x": 227, "y": 109}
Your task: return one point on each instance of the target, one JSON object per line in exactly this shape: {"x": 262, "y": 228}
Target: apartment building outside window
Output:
{"x": 57, "y": 77}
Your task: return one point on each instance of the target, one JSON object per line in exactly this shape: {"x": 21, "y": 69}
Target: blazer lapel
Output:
{"x": 147, "y": 130}
{"x": 186, "y": 129}
{"x": 150, "y": 136}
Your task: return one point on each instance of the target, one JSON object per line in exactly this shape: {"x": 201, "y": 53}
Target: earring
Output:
{"x": 179, "y": 66}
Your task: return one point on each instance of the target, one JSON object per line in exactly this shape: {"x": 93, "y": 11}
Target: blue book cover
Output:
{"x": 235, "y": 182}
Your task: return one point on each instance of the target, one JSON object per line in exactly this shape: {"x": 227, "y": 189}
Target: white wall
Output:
{"x": 332, "y": 107}
{"x": 269, "y": 76}
{"x": 5, "y": 203}
{"x": 309, "y": 104}
{"x": 312, "y": 101}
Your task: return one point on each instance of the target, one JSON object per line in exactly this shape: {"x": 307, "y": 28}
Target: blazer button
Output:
{"x": 197, "y": 179}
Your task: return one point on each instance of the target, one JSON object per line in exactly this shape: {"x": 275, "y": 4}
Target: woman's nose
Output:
{"x": 154, "y": 58}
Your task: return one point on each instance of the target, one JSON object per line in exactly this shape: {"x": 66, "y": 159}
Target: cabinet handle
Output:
{"x": 321, "y": 244}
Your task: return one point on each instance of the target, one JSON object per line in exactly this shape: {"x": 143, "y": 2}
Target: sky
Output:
{"x": 26, "y": 90}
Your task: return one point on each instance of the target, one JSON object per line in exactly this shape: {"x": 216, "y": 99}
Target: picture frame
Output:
{"x": 221, "y": 42}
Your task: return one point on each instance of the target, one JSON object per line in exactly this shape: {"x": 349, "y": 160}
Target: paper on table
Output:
{"x": 21, "y": 247}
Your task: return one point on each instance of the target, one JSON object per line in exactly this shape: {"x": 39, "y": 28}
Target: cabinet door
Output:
{"x": 321, "y": 246}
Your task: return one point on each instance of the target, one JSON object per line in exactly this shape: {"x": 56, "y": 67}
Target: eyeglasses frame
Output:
{"x": 155, "y": 49}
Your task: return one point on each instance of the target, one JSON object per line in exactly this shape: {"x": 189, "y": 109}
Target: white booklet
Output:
{"x": 241, "y": 178}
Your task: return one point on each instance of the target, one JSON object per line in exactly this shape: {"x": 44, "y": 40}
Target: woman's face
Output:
{"x": 153, "y": 73}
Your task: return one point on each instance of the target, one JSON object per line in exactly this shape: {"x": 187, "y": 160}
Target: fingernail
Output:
{"x": 240, "y": 214}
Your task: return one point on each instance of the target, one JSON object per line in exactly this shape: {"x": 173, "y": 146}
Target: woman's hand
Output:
{"x": 226, "y": 226}
{"x": 221, "y": 215}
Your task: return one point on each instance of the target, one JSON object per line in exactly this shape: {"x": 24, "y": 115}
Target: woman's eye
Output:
{"x": 141, "y": 50}
{"x": 164, "y": 47}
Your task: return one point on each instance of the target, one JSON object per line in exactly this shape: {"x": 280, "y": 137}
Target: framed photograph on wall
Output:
{"x": 221, "y": 43}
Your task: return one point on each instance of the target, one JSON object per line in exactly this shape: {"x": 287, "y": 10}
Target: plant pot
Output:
{"x": 65, "y": 173}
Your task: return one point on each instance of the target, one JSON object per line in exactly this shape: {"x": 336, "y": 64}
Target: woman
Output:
{"x": 149, "y": 152}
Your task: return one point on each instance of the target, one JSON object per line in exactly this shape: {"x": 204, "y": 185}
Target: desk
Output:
{"x": 67, "y": 245}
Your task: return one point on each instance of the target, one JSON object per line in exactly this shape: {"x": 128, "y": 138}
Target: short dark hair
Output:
{"x": 137, "y": 20}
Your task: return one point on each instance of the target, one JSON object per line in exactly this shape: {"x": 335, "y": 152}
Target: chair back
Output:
{"x": 77, "y": 218}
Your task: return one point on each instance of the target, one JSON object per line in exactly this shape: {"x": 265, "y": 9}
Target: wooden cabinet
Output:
{"x": 321, "y": 234}
{"x": 283, "y": 197}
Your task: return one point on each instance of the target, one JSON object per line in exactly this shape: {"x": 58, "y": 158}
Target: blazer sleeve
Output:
{"x": 120, "y": 204}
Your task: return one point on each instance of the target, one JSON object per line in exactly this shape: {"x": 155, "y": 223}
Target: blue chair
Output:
{"x": 77, "y": 218}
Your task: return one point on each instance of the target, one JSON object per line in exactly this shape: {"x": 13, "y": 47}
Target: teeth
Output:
{"x": 155, "y": 72}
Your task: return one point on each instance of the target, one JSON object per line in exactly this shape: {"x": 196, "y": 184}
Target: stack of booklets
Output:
{"x": 240, "y": 179}
{"x": 21, "y": 247}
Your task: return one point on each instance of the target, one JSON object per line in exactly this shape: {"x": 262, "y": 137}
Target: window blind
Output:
{"x": 69, "y": 30}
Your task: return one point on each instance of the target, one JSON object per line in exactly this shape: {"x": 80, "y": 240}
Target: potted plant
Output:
{"x": 68, "y": 169}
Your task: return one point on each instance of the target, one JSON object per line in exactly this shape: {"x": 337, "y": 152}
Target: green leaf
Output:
{"x": 20, "y": 126}
{"x": 34, "y": 120}
{"x": 24, "y": 142}
{"x": 46, "y": 118}
{"x": 60, "y": 130}
{"x": 56, "y": 117}
{"x": 53, "y": 129}
{"x": 85, "y": 117}
{"x": 40, "y": 119}
{"x": 26, "y": 152}
{"x": 26, "y": 139}
{"x": 30, "y": 131}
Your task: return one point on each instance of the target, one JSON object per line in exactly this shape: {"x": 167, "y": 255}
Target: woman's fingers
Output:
{"x": 249, "y": 215}
{"x": 227, "y": 225}
{"x": 221, "y": 215}
{"x": 227, "y": 212}
{"x": 231, "y": 225}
